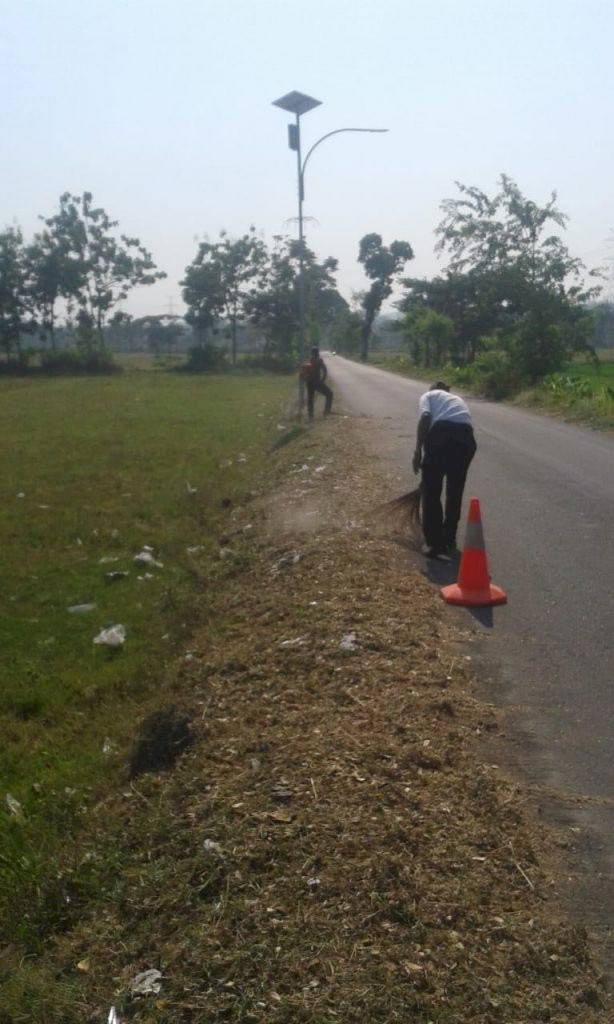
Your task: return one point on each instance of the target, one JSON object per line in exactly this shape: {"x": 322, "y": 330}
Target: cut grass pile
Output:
{"x": 329, "y": 848}
{"x": 93, "y": 470}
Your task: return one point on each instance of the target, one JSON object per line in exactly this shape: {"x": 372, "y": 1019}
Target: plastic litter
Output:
{"x": 113, "y": 1017}
{"x": 145, "y": 557}
{"x": 21, "y": 494}
{"x": 117, "y": 574}
{"x": 146, "y": 576}
{"x": 299, "y": 641}
{"x": 292, "y": 558}
{"x": 106, "y": 559}
{"x": 113, "y": 636}
{"x": 195, "y": 549}
{"x": 14, "y": 806}
{"x": 212, "y": 847}
{"x": 81, "y": 609}
{"x": 189, "y": 488}
{"x": 348, "y": 642}
{"x": 146, "y": 983}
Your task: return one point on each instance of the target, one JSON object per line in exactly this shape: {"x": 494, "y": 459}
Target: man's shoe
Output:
{"x": 435, "y": 553}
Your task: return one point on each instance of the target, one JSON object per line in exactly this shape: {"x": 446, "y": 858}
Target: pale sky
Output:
{"x": 162, "y": 109}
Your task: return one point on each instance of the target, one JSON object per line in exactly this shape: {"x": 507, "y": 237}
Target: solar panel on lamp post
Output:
{"x": 299, "y": 103}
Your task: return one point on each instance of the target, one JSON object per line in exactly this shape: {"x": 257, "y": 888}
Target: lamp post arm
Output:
{"x": 337, "y": 131}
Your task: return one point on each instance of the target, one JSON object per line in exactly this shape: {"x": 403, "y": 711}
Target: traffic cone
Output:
{"x": 473, "y": 587}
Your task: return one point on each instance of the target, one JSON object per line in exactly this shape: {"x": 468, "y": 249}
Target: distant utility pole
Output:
{"x": 171, "y": 306}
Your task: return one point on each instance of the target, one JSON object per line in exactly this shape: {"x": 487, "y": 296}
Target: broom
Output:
{"x": 404, "y": 512}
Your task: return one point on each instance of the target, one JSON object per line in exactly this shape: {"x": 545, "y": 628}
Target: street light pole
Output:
{"x": 298, "y": 103}
{"x": 301, "y": 265}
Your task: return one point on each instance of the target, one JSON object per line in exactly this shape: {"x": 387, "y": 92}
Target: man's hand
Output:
{"x": 416, "y": 461}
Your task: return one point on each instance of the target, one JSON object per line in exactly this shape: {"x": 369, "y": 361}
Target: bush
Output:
{"x": 70, "y": 361}
{"x": 206, "y": 359}
{"x": 491, "y": 374}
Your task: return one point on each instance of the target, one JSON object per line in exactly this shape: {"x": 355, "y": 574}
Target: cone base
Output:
{"x": 490, "y": 595}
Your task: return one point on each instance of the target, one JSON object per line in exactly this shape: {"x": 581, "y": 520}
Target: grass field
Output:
{"x": 92, "y": 470}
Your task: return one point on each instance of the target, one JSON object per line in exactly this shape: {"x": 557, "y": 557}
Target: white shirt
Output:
{"x": 441, "y": 405}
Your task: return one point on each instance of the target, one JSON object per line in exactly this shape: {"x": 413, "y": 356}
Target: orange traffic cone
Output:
{"x": 473, "y": 587}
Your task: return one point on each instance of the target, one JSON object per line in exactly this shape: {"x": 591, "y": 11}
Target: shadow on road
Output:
{"x": 444, "y": 573}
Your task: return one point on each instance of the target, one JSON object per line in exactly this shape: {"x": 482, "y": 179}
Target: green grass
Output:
{"x": 94, "y": 469}
{"x": 584, "y": 393}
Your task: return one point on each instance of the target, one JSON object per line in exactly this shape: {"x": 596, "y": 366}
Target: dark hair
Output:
{"x": 439, "y": 386}
{"x": 315, "y": 351}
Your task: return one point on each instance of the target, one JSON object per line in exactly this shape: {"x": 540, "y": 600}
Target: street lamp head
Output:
{"x": 297, "y": 103}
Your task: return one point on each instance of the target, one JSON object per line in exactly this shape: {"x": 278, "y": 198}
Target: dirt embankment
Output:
{"x": 330, "y": 848}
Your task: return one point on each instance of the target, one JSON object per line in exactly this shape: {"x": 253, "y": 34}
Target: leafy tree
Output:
{"x": 509, "y": 282}
{"x": 15, "y": 311}
{"x": 429, "y": 335}
{"x": 161, "y": 336}
{"x": 98, "y": 269}
{"x": 508, "y": 233}
{"x": 345, "y": 334}
{"x": 382, "y": 264}
{"x": 219, "y": 281}
{"x": 53, "y": 274}
{"x": 274, "y": 305}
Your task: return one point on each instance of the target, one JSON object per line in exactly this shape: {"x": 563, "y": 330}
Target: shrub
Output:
{"x": 71, "y": 361}
{"x": 205, "y": 359}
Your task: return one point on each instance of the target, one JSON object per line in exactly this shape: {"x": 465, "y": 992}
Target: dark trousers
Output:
{"x": 323, "y": 389}
{"x": 448, "y": 451}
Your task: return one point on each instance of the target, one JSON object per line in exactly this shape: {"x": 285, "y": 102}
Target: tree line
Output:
{"x": 510, "y": 305}
{"x": 78, "y": 266}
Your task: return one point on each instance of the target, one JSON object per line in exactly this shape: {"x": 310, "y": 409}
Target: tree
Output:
{"x": 274, "y": 305}
{"x": 508, "y": 233}
{"x": 15, "y": 311}
{"x": 163, "y": 334}
{"x": 509, "y": 282}
{"x": 429, "y": 335}
{"x": 218, "y": 282}
{"x": 96, "y": 268}
{"x": 53, "y": 274}
{"x": 382, "y": 265}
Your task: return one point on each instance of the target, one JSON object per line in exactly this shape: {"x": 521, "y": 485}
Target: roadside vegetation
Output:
{"x": 99, "y": 471}
{"x": 324, "y": 841}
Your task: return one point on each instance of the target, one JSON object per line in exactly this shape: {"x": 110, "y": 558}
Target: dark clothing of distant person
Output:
{"x": 445, "y": 446}
{"x": 316, "y": 382}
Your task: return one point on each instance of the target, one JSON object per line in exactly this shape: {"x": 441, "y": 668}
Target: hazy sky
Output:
{"x": 162, "y": 109}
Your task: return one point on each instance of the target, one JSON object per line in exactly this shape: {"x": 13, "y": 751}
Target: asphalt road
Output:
{"x": 546, "y": 491}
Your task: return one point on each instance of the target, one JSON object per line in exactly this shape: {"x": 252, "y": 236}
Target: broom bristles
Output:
{"x": 404, "y": 511}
